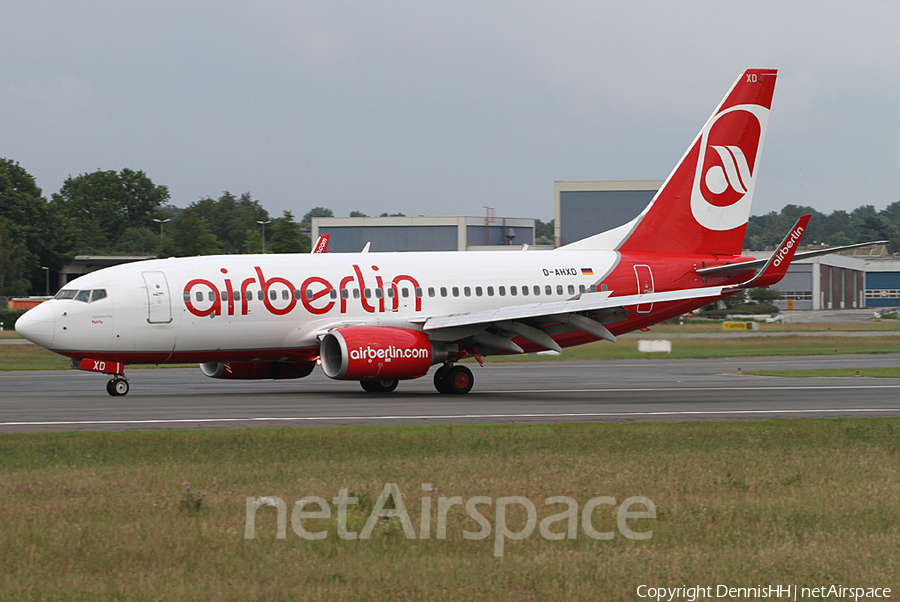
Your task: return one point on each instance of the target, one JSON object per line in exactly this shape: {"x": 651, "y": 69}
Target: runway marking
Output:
{"x": 443, "y": 417}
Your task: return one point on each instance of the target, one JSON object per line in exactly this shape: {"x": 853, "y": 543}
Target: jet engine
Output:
{"x": 378, "y": 353}
{"x": 256, "y": 370}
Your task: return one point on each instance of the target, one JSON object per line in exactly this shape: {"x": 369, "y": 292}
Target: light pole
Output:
{"x": 263, "y": 228}
{"x": 47, "y": 274}
{"x": 161, "y": 222}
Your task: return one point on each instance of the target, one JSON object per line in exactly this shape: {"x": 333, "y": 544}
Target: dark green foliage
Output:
{"x": 231, "y": 219}
{"x": 286, "y": 236}
{"x": 100, "y": 206}
{"x": 8, "y": 317}
{"x": 837, "y": 228}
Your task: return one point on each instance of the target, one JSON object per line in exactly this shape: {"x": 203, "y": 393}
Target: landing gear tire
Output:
{"x": 440, "y": 379}
{"x": 457, "y": 380}
{"x": 117, "y": 387}
{"x": 378, "y": 386}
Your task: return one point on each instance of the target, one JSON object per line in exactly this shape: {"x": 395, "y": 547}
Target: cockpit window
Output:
{"x": 83, "y": 296}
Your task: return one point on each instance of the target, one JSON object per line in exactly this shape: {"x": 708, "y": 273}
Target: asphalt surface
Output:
{"x": 609, "y": 391}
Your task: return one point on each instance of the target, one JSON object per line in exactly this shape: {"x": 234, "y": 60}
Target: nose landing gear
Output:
{"x": 117, "y": 386}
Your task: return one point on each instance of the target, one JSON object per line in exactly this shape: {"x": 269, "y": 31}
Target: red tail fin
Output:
{"x": 704, "y": 205}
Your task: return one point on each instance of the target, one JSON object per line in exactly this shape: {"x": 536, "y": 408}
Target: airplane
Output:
{"x": 379, "y": 318}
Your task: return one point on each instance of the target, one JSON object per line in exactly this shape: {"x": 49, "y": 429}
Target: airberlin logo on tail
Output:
{"x": 725, "y": 174}
{"x": 786, "y": 248}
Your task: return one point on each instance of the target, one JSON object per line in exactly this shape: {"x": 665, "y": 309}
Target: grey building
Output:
{"x": 590, "y": 207}
{"x": 351, "y": 234}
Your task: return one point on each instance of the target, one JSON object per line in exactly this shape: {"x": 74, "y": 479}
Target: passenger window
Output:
{"x": 379, "y": 293}
{"x": 223, "y": 295}
{"x": 285, "y": 294}
{"x": 467, "y": 291}
{"x": 548, "y": 290}
{"x": 604, "y": 288}
{"x": 490, "y": 291}
{"x": 537, "y": 289}
{"x": 581, "y": 289}
{"x": 571, "y": 289}
{"x": 199, "y": 296}
{"x": 404, "y": 292}
{"x": 308, "y": 294}
{"x": 98, "y": 294}
{"x": 332, "y": 293}
{"x": 83, "y": 296}
{"x": 431, "y": 291}
{"x": 443, "y": 291}
{"x": 367, "y": 292}
{"x": 260, "y": 295}
{"x": 391, "y": 293}
{"x": 345, "y": 294}
{"x": 477, "y": 291}
{"x": 456, "y": 291}
{"x": 237, "y": 296}
{"x": 273, "y": 294}
{"x": 593, "y": 288}
{"x": 524, "y": 290}
{"x": 297, "y": 293}
{"x": 418, "y": 291}
{"x": 501, "y": 290}
{"x": 513, "y": 291}
{"x": 356, "y": 293}
{"x": 211, "y": 295}
{"x": 187, "y": 297}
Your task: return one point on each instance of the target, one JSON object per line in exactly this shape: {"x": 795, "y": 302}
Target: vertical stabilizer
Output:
{"x": 704, "y": 204}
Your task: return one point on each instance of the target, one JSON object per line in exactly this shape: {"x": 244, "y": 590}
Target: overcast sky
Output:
{"x": 430, "y": 108}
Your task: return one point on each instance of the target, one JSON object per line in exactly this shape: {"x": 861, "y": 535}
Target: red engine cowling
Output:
{"x": 257, "y": 370}
{"x": 377, "y": 353}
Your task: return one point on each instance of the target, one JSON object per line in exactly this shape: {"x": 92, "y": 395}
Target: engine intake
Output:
{"x": 378, "y": 353}
{"x": 256, "y": 370}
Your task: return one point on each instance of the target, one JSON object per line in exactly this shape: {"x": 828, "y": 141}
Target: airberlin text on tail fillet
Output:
{"x": 785, "y": 249}
{"x": 280, "y": 296}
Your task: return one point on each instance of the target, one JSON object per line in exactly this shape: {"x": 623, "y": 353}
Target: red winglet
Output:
{"x": 321, "y": 245}
{"x": 778, "y": 263}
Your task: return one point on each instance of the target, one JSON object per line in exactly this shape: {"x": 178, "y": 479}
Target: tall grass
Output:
{"x": 99, "y": 515}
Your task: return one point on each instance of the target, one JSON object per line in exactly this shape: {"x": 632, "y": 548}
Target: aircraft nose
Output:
{"x": 38, "y": 325}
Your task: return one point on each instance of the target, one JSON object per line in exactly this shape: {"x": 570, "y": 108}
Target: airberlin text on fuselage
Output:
{"x": 314, "y": 294}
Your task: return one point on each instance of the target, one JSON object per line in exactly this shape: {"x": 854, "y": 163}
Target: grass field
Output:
{"x": 90, "y": 516}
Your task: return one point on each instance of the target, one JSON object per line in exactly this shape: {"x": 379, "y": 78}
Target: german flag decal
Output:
{"x": 587, "y": 272}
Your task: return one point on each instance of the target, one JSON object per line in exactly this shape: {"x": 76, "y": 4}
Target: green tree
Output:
{"x": 544, "y": 232}
{"x": 358, "y": 214}
{"x": 103, "y": 204}
{"x": 190, "y": 236}
{"x": 764, "y": 295}
{"x": 386, "y": 214}
{"x": 45, "y": 236}
{"x": 138, "y": 240}
{"x": 287, "y": 237}
{"x": 306, "y": 222}
{"x": 232, "y": 219}
{"x": 878, "y": 227}
{"x": 12, "y": 264}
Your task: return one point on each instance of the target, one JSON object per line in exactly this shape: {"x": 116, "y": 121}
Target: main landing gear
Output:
{"x": 378, "y": 386}
{"x": 117, "y": 387}
{"x": 453, "y": 380}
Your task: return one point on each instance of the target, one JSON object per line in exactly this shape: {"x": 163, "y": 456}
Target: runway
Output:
{"x": 608, "y": 391}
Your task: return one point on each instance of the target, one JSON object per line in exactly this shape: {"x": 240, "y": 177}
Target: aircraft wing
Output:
{"x": 496, "y": 327}
{"x": 731, "y": 268}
